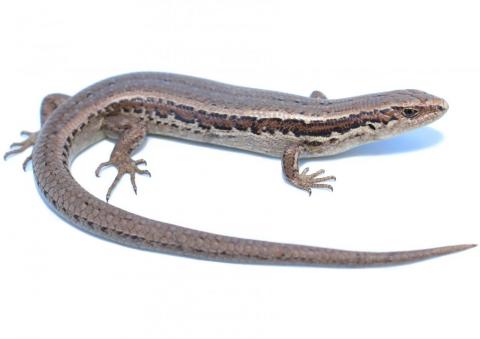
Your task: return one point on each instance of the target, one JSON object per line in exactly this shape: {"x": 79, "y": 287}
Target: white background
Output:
{"x": 415, "y": 191}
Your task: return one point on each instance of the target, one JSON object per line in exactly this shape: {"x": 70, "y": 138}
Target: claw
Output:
{"x": 114, "y": 184}
{"x": 328, "y": 187}
{"x": 132, "y": 181}
{"x": 9, "y": 153}
{"x": 101, "y": 167}
{"x": 124, "y": 165}
{"x": 19, "y": 147}
{"x": 308, "y": 181}
{"x": 330, "y": 177}
{"x": 25, "y": 163}
{"x": 317, "y": 173}
{"x": 144, "y": 172}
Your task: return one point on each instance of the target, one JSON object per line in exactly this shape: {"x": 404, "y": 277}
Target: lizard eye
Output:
{"x": 410, "y": 112}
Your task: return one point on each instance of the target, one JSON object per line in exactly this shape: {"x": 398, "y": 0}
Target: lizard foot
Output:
{"x": 124, "y": 165}
{"x": 19, "y": 147}
{"x": 307, "y": 181}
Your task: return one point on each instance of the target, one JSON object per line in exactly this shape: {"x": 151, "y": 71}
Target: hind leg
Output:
{"x": 49, "y": 104}
{"x": 318, "y": 95}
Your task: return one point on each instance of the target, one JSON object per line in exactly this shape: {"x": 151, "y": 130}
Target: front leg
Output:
{"x": 131, "y": 133}
{"x": 302, "y": 180}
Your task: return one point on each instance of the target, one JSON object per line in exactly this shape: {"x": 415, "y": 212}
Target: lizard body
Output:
{"x": 129, "y": 107}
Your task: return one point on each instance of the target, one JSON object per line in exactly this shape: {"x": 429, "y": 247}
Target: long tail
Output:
{"x": 203, "y": 245}
{"x": 120, "y": 226}
{"x": 167, "y": 238}
{"x": 107, "y": 221}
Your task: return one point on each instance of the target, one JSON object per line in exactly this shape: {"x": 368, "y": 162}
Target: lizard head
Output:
{"x": 367, "y": 118}
{"x": 413, "y": 109}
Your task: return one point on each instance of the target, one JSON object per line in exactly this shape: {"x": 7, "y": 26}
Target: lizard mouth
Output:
{"x": 421, "y": 115}
{"x": 434, "y": 112}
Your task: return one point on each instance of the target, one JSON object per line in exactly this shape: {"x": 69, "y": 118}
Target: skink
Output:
{"x": 129, "y": 107}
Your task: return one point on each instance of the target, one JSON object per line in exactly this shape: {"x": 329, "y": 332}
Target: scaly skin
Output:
{"x": 131, "y": 106}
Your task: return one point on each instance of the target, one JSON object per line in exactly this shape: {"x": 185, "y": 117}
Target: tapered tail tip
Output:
{"x": 458, "y": 248}
{"x": 466, "y": 247}
{"x": 412, "y": 256}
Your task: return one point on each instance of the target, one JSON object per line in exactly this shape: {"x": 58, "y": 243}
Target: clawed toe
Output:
{"x": 327, "y": 178}
{"x": 144, "y": 172}
{"x": 326, "y": 186}
{"x": 26, "y": 161}
{"x": 302, "y": 179}
{"x": 140, "y": 171}
{"x": 19, "y": 147}
{"x": 124, "y": 165}
{"x": 316, "y": 174}
{"x": 101, "y": 167}
{"x": 307, "y": 181}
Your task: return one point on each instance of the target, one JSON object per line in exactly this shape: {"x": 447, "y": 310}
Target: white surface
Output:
{"x": 416, "y": 191}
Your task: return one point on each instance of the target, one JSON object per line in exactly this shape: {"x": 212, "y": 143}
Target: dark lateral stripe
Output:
{"x": 211, "y": 120}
